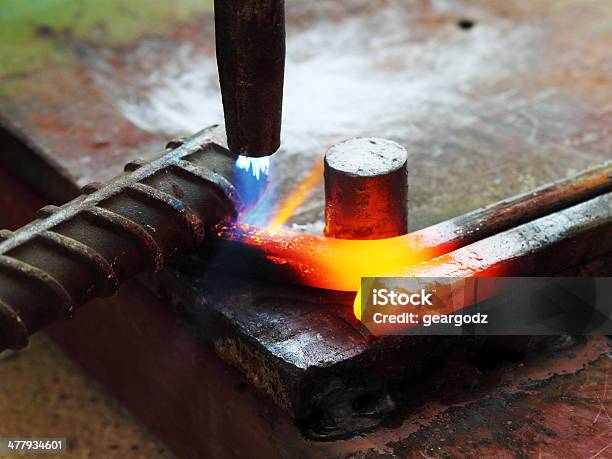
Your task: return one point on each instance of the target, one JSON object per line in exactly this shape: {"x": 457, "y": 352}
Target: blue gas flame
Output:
{"x": 251, "y": 178}
{"x": 257, "y": 166}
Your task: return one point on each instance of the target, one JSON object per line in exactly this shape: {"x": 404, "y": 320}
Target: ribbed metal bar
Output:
{"x": 13, "y": 332}
{"x": 5, "y": 234}
{"x": 46, "y": 211}
{"x": 136, "y": 232}
{"x": 86, "y": 247}
{"x": 106, "y": 279}
{"x": 40, "y": 278}
{"x": 192, "y": 222}
{"x": 206, "y": 176}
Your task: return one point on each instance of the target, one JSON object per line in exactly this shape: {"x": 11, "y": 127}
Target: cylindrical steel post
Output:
{"x": 250, "y": 39}
{"x": 366, "y": 189}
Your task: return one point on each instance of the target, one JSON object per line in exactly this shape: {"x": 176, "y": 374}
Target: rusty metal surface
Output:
{"x": 546, "y": 405}
{"x": 250, "y": 44}
{"x": 111, "y": 233}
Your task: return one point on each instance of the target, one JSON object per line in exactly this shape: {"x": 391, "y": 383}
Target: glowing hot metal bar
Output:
{"x": 338, "y": 264}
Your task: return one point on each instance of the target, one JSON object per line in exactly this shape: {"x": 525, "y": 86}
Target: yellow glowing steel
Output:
{"x": 348, "y": 261}
{"x": 335, "y": 264}
{"x": 366, "y": 284}
{"x": 357, "y": 305}
{"x": 297, "y": 196}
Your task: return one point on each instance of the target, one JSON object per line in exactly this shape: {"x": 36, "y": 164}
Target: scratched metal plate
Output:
{"x": 489, "y": 98}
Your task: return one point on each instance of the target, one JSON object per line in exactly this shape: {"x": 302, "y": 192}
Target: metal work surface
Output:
{"x": 490, "y": 99}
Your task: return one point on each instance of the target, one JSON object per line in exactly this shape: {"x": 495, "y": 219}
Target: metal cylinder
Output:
{"x": 366, "y": 189}
{"x": 250, "y": 41}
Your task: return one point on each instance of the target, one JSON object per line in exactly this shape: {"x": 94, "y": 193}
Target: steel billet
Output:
{"x": 366, "y": 189}
{"x": 87, "y": 247}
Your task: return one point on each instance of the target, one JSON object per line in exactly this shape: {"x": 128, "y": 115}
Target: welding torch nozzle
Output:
{"x": 250, "y": 42}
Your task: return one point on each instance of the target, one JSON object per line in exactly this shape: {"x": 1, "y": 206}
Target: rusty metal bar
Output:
{"x": 86, "y": 248}
{"x": 572, "y": 236}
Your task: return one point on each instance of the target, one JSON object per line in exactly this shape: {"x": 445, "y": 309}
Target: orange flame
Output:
{"x": 297, "y": 196}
